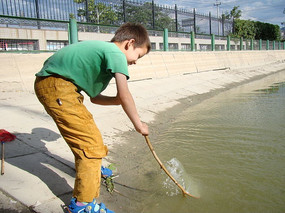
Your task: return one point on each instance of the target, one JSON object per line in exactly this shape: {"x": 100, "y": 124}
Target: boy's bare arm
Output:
{"x": 105, "y": 100}
{"x": 128, "y": 104}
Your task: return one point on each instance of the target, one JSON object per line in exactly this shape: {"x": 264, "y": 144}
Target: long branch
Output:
{"x": 165, "y": 170}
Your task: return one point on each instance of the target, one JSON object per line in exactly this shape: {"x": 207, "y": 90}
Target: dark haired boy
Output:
{"x": 89, "y": 66}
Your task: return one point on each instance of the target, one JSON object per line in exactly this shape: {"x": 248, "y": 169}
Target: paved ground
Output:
{"x": 11, "y": 205}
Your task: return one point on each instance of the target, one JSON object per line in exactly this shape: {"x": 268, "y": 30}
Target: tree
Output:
{"x": 101, "y": 13}
{"x": 235, "y": 13}
{"x": 139, "y": 13}
{"x": 143, "y": 14}
{"x": 266, "y": 31}
{"x": 97, "y": 13}
{"x": 244, "y": 28}
{"x": 252, "y": 30}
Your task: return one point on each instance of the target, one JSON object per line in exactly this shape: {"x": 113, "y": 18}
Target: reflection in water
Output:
{"x": 272, "y": 89}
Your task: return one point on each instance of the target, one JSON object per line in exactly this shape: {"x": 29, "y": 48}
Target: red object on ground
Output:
{"x": 6, "y": 136}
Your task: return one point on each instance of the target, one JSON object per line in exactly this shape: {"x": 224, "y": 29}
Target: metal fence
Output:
{"x": 32, "y": 23}
{"x": 29, "y": 34}
{"x": 152, "y": 15}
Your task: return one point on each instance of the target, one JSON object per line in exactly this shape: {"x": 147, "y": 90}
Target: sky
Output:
{"x": 268, "y": 11}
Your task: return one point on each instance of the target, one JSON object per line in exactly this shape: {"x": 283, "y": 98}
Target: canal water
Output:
{"x": 228, "y": 149}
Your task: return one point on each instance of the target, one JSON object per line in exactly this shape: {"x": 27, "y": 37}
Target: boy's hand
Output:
{"x": 143, "y": 129}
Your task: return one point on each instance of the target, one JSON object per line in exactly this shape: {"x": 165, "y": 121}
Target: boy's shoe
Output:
{"x": 92, "y": 207}
{"x": 106, "y": 172}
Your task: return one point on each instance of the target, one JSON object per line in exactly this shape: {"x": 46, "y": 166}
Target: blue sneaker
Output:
{"x": 92, "y": 207}
{"x": 106, "y": 172}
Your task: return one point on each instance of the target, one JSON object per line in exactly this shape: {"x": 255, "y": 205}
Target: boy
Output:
{"x": 89, "y": 66}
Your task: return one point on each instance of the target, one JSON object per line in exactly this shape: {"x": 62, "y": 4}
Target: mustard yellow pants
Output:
{"x": 75, "y": 123}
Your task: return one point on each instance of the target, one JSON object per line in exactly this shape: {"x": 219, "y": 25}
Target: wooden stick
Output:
{"x": 2, "y": 158}
{"x": 165, "y": 170}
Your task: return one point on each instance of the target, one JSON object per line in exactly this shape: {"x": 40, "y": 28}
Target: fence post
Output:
{"x": 124, "y": 10}
{"x": 233, "y": 30}
{"x": 37, "y": 13}
{"x": 194, "y": 14}
{"x": 210, "y": 23}
{"x": 213, "y": 42}
{"x": 153, "y": 14}
{"x": 223, "y": 25}
{"x": 176, "y": 18}
{"x": 260, "y": 44}
{"x": 87, "y": 10}
{"x": 192, "y": 41}
{"x": 241, "y": 43}
{"x": 283, "y": 45}
{"x": 72, "y": 31}
{"x": 267, "y": 44}
{"x": 165, "y": 39}
{"x": 251, "y": 44}
{"x": 228, "y": 43}
{"x": 279, "y": 45}
{"x": 273, "y": 45}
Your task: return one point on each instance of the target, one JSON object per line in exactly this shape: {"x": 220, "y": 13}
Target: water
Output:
{"x": 179, "y": 173}
{"x": 229, "y": 150}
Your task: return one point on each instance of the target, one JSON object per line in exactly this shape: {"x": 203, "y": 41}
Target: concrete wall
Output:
{"x": 166, "y": 64}
{"x": 17, "y": 70}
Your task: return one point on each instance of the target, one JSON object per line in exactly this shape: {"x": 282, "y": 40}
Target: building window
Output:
{"x": 185, "y": 46}
{"x": 171, "y": 46}
{"x": 153, "y": 46}
{"x": 18, "y": 45}
{"x": 219, "y": 47}
{"x": 205, "y": 47}
{"x": 56, "y": 45}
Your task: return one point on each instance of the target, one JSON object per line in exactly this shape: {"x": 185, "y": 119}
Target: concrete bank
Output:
{"x": 38, "y": 164}
{"x": 17, "y": 70}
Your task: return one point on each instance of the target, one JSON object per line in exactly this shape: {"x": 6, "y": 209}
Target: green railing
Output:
{"x": 229, "y": 44}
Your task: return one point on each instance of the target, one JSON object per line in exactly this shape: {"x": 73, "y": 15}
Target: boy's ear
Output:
{"x": 129, "y": 43}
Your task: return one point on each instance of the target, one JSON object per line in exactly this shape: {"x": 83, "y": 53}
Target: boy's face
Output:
{"x": 133, "y": 54}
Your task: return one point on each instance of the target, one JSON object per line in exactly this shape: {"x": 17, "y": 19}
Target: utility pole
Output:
{"x": 283, "y": 23}
{"x": 282, "y": 31}
{"x": 217, "y": 4}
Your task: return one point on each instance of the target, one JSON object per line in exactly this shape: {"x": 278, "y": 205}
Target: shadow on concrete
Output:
{"x": 29, "y": 153}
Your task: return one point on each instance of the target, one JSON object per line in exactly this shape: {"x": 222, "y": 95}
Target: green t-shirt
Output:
{"x": 90, "y": 65}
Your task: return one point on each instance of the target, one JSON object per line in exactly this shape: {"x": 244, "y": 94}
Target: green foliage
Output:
{"x": 266, "y": 31}
{"x": 112, "y": 167}
{"x": 71, "y": 15}
{"x": 250, "y": 29}
{"x": 256, "y": 30}
{"x": 100, "y": 13}
{"x": 244, "y": 28}
{"x": 97, "y": 13}
{"x": 235, "y": 13}
{"x": 109, "y": 184}
{"x": 143, "y": 14}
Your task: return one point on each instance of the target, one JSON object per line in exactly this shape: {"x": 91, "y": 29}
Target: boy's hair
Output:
{"x": 134, "y": 31}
